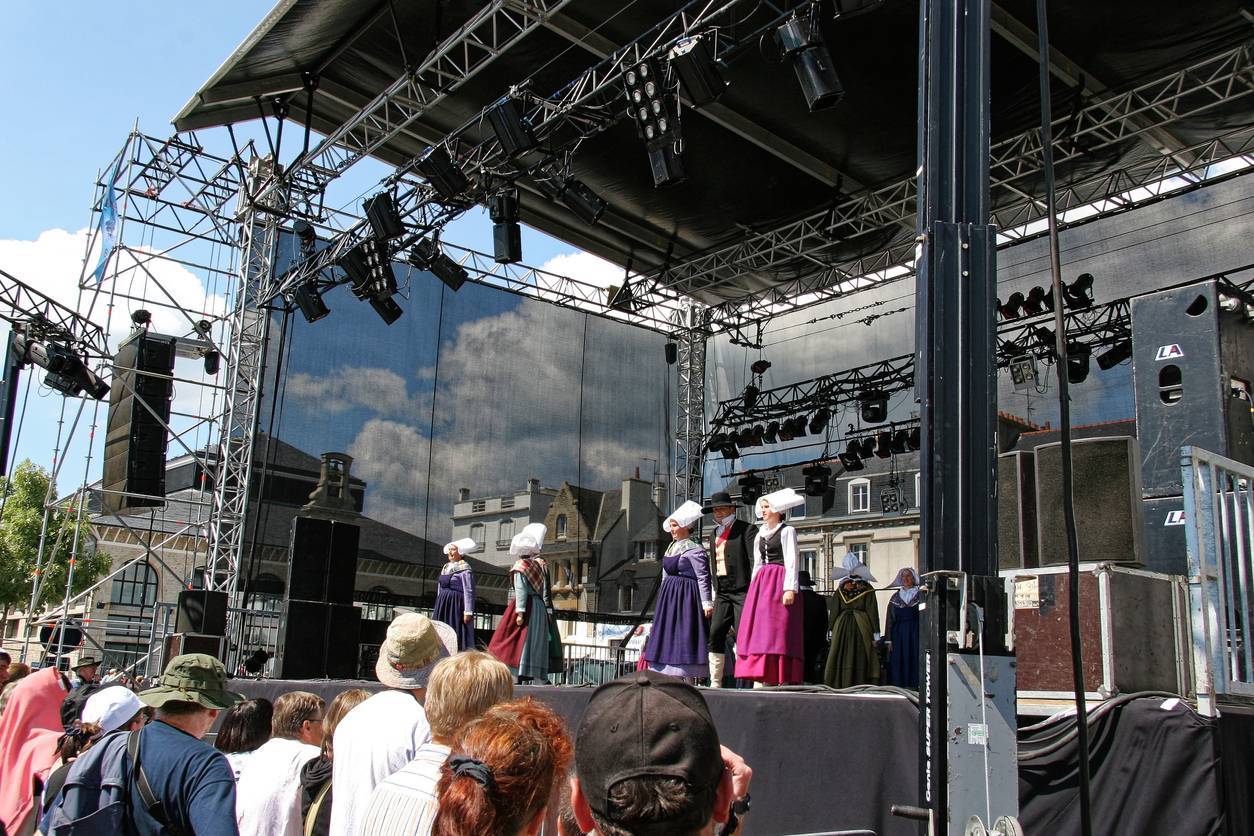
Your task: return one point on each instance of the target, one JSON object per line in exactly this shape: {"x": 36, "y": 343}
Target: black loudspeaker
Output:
{"x": 176, "y": 644}
{"x": 202, "y": 611}
{"x": 322, "y": 561}
{"x": 1163, "y": 545}
{"x": 1016, "y": 511}
{"x": 1106, "y": 474}
{"x": 139, "y": 409}
{"x": 1192, "y": 365}
{"x": 318, "y": 640}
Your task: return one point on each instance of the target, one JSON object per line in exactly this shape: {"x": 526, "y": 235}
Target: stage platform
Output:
{"x": 826, "y": 761}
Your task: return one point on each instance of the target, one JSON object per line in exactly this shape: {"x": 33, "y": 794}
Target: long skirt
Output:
{"x": 524, "y": 649}
{"x": 903, "y": 661}
{"x": 450, "y": 607}
{"x": 679, "y": 642}
{"x": 770, "y": 644}
{"x": 852, "y": 659}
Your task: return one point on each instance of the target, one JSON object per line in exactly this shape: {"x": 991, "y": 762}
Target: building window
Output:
{"x": 136, "y": 586}
{"x": 648, "y": 551}
{"x": 583, "y": 570}
{"x": 810, "y": 563}
{"x": 625, "y": 598}
{"x": 476, "y": 532}
{"x": 507, "y": 533}
{"x": 860, "y": 496}
{"x": 559, "y": 527}
{"x": 478, "y": 506}
{"x": 862, "y": 549}
{"x": 507, "y": 502}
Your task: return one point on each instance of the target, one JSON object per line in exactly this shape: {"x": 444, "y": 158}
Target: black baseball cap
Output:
{"x": 645, "y": 724}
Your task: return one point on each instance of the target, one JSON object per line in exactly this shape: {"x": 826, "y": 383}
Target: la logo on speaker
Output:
{"x": 1169, "y": 352}
{"x": 1174, "y": 518}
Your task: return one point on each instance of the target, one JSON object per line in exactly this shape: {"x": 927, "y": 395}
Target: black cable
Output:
{"x": 435, "y": 389}
{"x": 265, "y": 464}
{"x": 1064, "y": 420}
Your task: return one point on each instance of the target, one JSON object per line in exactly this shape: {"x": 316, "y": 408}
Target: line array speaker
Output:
{"x": 318, "y": 640}
{"x": 139, "y": 409}
{"x": 322, "y": 560}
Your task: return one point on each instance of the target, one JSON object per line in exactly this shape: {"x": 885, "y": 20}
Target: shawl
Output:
{"x": 532, "y": 570}
{"x": 685, "y": 545}
{"x": 29, "y": 730}
{"x": 458, "y": 566}
{"x": 859, "y": 590}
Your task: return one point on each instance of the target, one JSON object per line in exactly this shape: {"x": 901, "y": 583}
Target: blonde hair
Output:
{"x": 344, "y": 702}
{"x": 462, "y": 687}
{"x": 291, "y": 710}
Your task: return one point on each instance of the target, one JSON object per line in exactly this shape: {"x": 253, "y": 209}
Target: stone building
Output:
{"x": 492, "y": 521}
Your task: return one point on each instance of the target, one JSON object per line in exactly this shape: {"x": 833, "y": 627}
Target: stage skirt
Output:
{"x": 524, "y": 649}
{"x": 679, "y": 642}
{"x": 770, "y": 645}
{"x": 903, "y": 661}
{"x": 450, "y": 607}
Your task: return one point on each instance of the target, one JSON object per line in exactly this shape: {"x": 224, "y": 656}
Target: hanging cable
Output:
{"x": 435, "y": 388}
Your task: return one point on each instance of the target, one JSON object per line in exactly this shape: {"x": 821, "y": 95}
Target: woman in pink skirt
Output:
{"x": 770, "y": 641}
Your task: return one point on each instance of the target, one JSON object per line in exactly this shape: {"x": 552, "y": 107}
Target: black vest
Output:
{"x": 737, "y": 554}
{"x": 770, "y": 549}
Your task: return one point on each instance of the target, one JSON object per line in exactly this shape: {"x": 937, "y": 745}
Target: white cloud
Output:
{"x": 380, "y": 390}
{"x": 586, "y": 268}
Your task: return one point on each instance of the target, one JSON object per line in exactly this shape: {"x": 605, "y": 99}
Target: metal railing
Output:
{"x": 588, "y": 664}
{"x": 1219, "y": 527}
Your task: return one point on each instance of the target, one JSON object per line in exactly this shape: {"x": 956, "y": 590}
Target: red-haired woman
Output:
{"x": 503, "y": 772}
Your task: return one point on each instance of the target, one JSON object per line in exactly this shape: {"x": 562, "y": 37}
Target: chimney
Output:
{"x": 331, "y": 498}
{"x": 463, "y": 494}
{"x": 659, "y": 496}
{"x": 533, "y": 485}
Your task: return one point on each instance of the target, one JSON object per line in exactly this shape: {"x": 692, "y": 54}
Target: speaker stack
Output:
{"x": 200, "y": 625}
{"x": 320, "y": 628}
{"x": 1016, "y": 510}
{"x": 139, "y": 410}
{"x": 1192, "y": 366}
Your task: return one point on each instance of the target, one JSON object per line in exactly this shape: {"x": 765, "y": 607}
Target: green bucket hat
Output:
{"x": 192, "y": 677}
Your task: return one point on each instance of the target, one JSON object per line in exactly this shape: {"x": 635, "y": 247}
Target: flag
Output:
{"x": 108, "y": 223}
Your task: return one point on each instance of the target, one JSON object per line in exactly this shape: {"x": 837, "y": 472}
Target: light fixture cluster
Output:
{"x": 882, "y": 444}
{"x": 67, "y": 370}
{"x": 731, "y": 442}
{"x": 652, "y": 104}
{"x": 1078, "y": 295}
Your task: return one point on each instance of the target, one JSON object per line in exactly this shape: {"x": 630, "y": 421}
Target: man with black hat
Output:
{"x": 648, "y": 760}
{"x": 731, "y": 559}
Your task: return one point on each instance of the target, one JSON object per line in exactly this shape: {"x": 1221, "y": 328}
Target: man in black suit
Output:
{"x": 731, "y": 568}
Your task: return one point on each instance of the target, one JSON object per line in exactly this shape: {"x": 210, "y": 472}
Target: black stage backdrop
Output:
{"x": 825, "y": 762}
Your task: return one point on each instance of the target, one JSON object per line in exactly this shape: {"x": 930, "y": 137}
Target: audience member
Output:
{"x": 315, "y": 776}
{"x": 16, "y": 672}
{"x": 566, "y": 824}
{"x": 267, "y": 800}
{"x": 648, "y": 760}
{"x": 5, "y": 661}
{"x": 462, "y": 688}
{"x": 84, "y": 671}
{"x": 191, "y": 781}
{"x": 29, "y": 731}
{"x": 245, "y": 727}
{"x": 502, "y": 772}
{"x": 382, "y": 734}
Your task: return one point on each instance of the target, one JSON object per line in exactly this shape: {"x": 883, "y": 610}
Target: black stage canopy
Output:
{"x": 755, "y": 158}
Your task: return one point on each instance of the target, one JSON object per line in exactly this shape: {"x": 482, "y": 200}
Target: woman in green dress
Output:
{"x": 854, "y": 618}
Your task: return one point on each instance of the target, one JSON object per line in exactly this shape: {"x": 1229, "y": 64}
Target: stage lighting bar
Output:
{"x": 67, "y": 372}
{"x": 1079, "y": 294}
{"x": 818, "y": 479}
{"x": 801, "y": 40}
{"x": 874, "y": 407}
{"x": 1115, "y": 355}
{"x": 1078, "y": 355}
{"x": 369, "y": 269}
{"x": 310, "y": 303}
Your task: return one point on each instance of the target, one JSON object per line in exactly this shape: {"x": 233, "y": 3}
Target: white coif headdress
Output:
{"x": 683, "y": 516}
{"x": 464, "y": 546}
{"x": 780, "y": 501}
{"x": 529, "y": 541}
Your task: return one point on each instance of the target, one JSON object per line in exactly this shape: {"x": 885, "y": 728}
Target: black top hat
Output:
{"x": 719, "y": 498}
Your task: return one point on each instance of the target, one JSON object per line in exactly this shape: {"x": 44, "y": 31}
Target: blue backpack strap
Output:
{"x": 154, "y": 807}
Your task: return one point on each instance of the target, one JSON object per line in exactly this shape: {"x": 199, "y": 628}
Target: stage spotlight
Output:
{"x": 1115, "y": 355}
{"x": 141, "y": 317}
{"x": 672, "y": 353}
{"x": 67, "y": 372}
{"x": 506, "y": 234}
{"x": 800, "y": 40}
{"x": 759, "y": 434}
{"x": 915, "y": 438}
{"x": 883, "y": 444}
{"x": 1079, "y": 294}
{"x": 730, "y": 450}
{"x": 309, "y": 301}
{"x": 1009, "y": 349}
{"x": 307, "y": 236}
{"x": 441, "y": 172}
{"x": 1038, "y": 301}
{"x": 256, "y": 661}
{"x": 759, "y": 367}
{"x": 819, "y": 421}
{"x": 874, "y": 407}
{"x": 213, "y": 360}
{"x": 786, "y": 430}
{"x": 652, "y": 108}
{"x": 816, "y": 477}
{"x": 751, "y": 489}
{"x": 1078, "y": 362}
{"x": 799, "y": 426}
{"x": 584, "y": 202}
{"x": 356, "y": 266}
{"x": 512, "y": 129}
{"x": 1043, "y": 336}
{"x": 771, "y": 434}
{"x": 866, "y": 446}
{"x": 427, "y": 255}
{"x": 901, "y": 442}
{"x": 750, "y": 396}
{"x": 851, "y": 459}
{"x": 1013, "y": 308}
{"x": 666, "y": 164}
{"x": 387, "y": 308}
{"x": 383, "y": 217}
{"x": 699, "y": 78}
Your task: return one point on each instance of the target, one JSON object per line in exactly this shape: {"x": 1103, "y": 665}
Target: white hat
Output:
{"x": 901, "y": 573}
{"x": 852, "y": 567}
{"x": 464, "y": 546}
{"x": 110, "y": 707}
{"x": 683, "y": 516}
{"x": 528, "y": 541}
{"x": 780, "y": 501}
{"x": 413, "y": 645}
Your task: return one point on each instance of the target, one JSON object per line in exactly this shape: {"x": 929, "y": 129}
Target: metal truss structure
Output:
{"x": 48, "y": 319}
{"x": 690, "y": 409}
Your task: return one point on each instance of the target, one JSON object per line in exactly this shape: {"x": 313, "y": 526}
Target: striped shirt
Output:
{"x": 405, "y": 803}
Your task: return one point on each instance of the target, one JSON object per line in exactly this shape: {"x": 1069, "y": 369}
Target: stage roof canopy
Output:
{"x": 757, "y": 162}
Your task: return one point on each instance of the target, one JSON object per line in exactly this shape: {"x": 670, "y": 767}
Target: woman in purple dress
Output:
{"x": 679, "y": 642}
{"x": 770, "y": 644}
{"x": 455, "y": 602}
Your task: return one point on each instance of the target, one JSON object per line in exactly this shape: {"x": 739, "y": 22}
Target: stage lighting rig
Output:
{"x": 866, "y": 446}
{"x": 369, "y": 270}
{"x": 309, "y": 301}
{"x": 511, "y": 127}
{"x": 1078, "y": 355}
{"x": 851, "y": 459}
{"x": 506, "y": 234}
{"x": 1115, "y": 355}
{"x": 383, "y": 217}
{"x": 574, "y": 195}
{"x": 1079, "y": 294}
{"x": 874, "y": 407}
{"x": 760, "y": 367}
{"x": 1013, "y": 307}
{"x": 1038, "y": 301}
{"x": 427, "y": 255}
{"x": 750, "y": 396}
{"x": 67, "y": 372}
{"x": 884, "y": 444}
{"x": 771, "y": 434}
{"x": 819, "y": 421}
{"x": 751, "y": 487}
{"x": 307, "y": 236}
{"x": 650, "y": 102}
{"x": 699, "y": 76}
{"x": 800, "y": 40}
{"x": 817, "y": 478}
{"x": 444, "y": 175}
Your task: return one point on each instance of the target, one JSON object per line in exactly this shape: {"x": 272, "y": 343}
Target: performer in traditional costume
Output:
{"x": 855, "y": 623}
{"x": 814, "y": 618}
{"x": 455, "y": 600}
{"x": 731, "y": 564}
{"x": 679, "y": 642}
{"x": 902, "y": 630}
{"x": 770, "y": 646}
{"x": 521, "y": 640}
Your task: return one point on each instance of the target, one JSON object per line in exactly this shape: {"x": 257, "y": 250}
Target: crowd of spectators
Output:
{"x": 445, "y": 748}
